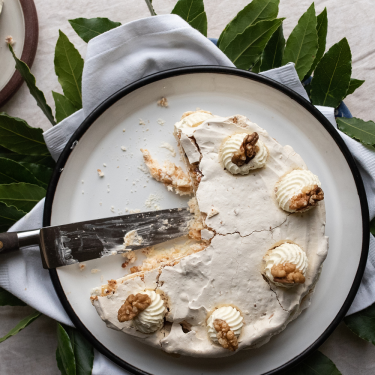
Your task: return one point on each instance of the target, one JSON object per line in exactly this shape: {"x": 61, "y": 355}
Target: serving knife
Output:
{"x": 61, "y": 245}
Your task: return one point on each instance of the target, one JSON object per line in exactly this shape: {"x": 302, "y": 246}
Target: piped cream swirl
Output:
{"x": 193, "y": 120}
{"x": 285, "y": 253}
{"x": 232, "y": 317}
{"x": 292, "y": 184}
{"x": 151, "y": 319}
{"x": 232, "y": 145}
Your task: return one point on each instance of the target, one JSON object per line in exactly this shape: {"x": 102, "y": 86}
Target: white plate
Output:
{"x": 11, "y": 23}
{"x": 81, "y": 195}
{"x": 19, "y": 20}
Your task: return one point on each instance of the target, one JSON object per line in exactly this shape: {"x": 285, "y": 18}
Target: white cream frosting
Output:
{"x": 231, "y": 316}
{"x": 228, "y": 271}
{"x": 232, "y": 145}
{"x": 292, "y": 184}
{"x": 193, "y": 120}
{"x": 151, "y": 319}
{"x": 285, "y": 253}
{"x": 190, "y": 149}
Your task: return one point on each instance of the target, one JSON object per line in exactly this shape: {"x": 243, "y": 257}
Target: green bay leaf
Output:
{"x": 273, "y": 52}
{"x": 200, "y": 23}
{"x": 21, "y": 325}
{"x": 12, "y": 171}
{"x": 257, "y": 10}
{"x": 21, "y": 195}
{"x": 64, "y": 352}
{"x": 9, "y": 215}
{"x": 60, "y": 364}
{"x": 331, "y": 78}
{"x": 372, "y": 227}
{"x": 302, "y": 44}
{"x": 38, "y": 95}
{"x": 8, "y": 299}
{"x": 362, "y": 323}
{"x": 321, "y": 28}
{"x": 45, "y": 161}
{"x": 69, "y": 68}
{"x": 361, "y": 131}
{"x": 4, "y": 150}
{"x": 308, "y": 89}
{"x": 16, "y": 135}
{"x": 256, "y": 66}
{"x": 64, "y": 107}
{"x": 42, "y": 173}
{"x": 353, "y": 85}
{"x": 192, "y": 11}
{"x": 244, "y": 50}
{"x": 315, "y": 364}
{"x": 88, "y": 28}
{"x": 83, "y": 351}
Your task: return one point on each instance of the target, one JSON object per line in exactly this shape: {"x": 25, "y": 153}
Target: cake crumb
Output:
{"x": 100, "y": 173}
{"x": 104, "y": 164}
{"x": 143, "y": 169}
{"x": 10, "y": 41}
{"x": 132, "y": 239}
{"x": 161, "y": 121}
{"x": 123, "y": 148}
{"x": 169, "y": 148}
{"x": 163, "y": 102}
{"x": 169, "y": 174}
{"x": 152, "y": 200}
{"x": 95, "y": 270}
{"x": 212, "y": 212}
{"x": 82, "y": 266}
{"x": 123, "y": 130}
{"x": 112, "y": 208}
{"x": 141, "y": 122}
{"x": 131, "y": 256}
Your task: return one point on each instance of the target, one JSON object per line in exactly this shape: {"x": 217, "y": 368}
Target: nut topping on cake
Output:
{"x": 310, "y": 196}
{"x": 133, "y": 305}
{"x": 286, "y": 265}
{"x": 287, "y": 273}
{"x": 225, "y": 336}
{"x": 298, "y": 191}
{"x": 247, "y": 150}
{"x": 243, "y": 152}
{"x": 224, "y": 327}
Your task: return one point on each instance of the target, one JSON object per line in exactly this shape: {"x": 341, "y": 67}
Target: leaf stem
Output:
{"x": 150, "y": 7}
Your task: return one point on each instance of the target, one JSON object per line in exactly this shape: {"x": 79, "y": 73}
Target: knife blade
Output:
{"x": 66, "y": 244}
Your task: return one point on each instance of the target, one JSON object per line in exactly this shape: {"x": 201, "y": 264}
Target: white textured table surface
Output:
{"x": 33, "y": 350}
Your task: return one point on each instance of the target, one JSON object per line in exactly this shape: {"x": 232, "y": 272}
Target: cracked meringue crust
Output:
{"x": 227, "y": 269}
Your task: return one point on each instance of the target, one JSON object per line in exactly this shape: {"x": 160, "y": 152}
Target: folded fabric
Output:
{"x": 116, "y": 59}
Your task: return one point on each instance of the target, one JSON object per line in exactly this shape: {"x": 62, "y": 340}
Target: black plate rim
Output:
{"x": 97, "y": 112}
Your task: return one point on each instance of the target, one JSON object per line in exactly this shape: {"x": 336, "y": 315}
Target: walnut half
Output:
{"x": 309, "y": 197}
{"x": 226, "y": 337}
{"x": 247, "y": 150}
{"x": 287, "y": 274}
{"x": 133, "y": 305}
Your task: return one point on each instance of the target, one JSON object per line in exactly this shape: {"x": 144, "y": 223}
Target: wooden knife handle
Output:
{"x": 8, "y": 242}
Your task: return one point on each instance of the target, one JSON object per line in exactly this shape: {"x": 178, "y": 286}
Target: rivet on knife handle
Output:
{"x": 8, "y": 242}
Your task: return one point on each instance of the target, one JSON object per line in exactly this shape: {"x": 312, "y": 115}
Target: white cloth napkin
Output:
{"x": 118, "y": 58}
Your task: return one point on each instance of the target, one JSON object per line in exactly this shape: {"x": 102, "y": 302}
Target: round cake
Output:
{"x": 257, "y": 249}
